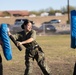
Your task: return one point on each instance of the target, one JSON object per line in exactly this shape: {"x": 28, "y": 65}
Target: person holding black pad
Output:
{"x": 27, "y": 38}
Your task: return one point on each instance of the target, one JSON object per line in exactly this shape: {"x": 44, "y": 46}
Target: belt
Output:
{"x": 32, "y": 48}
{"x": 36, "y": 46}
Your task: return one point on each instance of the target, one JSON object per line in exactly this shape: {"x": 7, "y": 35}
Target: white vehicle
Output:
{"x": 53, "y": 21}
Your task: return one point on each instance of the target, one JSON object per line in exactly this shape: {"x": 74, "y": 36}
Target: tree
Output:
{"x": 5, "y": 13}
{"x": 52, "y": 12}
{"x": 59, "y": 11}
{"x": 37, "y": 12}
{"x": 65, "y": 10}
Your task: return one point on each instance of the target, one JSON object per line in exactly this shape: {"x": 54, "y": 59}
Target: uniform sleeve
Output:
{"x": 33, "y": 35}
{"x": 16, "y": 36}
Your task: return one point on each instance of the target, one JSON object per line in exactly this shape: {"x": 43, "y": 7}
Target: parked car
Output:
{"x": 47, "y": 28}
{"x": 53, "y": 21}
{"x": 18, "y": 22}
{"x": 17, "y": 25}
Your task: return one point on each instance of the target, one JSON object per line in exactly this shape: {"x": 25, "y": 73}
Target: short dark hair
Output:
{"x": 26, "y": 22}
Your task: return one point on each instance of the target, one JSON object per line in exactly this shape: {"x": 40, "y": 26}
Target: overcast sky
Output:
{"x": 35, "y": 5}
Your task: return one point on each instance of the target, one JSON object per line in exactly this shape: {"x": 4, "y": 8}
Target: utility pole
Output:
{"x": 68, "y": 10}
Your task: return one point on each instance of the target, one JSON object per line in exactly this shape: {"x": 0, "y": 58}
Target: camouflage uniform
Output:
{"x": 33, "y": 51}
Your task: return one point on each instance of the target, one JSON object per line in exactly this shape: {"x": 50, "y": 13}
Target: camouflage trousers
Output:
{"x": 38, "y": 55}
{"x": 1, "y": 67}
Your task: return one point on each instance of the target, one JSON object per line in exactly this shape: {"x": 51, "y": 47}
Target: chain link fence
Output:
{"x": 48, "y": 29}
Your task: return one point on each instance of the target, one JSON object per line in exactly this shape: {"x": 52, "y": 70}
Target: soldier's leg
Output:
{"x": 1, "y": 66}
{"x": 41, "y": 62}
{"x": 29, "y": 65}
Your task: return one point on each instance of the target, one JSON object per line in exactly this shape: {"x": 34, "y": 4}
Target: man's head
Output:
{"x": 27, "y": 25}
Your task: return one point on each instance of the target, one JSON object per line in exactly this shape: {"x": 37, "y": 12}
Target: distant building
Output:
{"x": 58, "y": 14}
{"x": 1, "y": 15}
{"x": 44, "y": 14}
{"x": 32, "y": 15}
{"x": 16, "y": 13}
{"x": 19, "y": 13}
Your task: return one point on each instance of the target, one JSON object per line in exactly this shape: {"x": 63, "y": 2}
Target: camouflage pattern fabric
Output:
{"x": 38, "y": 55}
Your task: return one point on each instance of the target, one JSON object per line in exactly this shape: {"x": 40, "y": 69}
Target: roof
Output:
{"x": 22, "y": 13}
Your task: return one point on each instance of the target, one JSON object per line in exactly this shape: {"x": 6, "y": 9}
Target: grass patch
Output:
{"x": 59, "y": 56}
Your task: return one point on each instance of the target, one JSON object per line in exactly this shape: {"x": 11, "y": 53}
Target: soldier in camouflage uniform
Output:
{"x": 33, "y": 50}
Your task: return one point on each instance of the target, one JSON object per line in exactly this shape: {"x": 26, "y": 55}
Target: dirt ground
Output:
{"x": 38, "y": 20}
{"x": 59, "y": 57}
{"x": 57, "y": 68}
{"x": 60, "y": 64}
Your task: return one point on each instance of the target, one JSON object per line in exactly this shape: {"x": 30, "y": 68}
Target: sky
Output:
{"x": 34, "y": 5}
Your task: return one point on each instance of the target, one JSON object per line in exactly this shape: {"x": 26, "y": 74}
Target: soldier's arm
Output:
{"x": 27, "y": 41}
{"x": 32, "y": 38}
